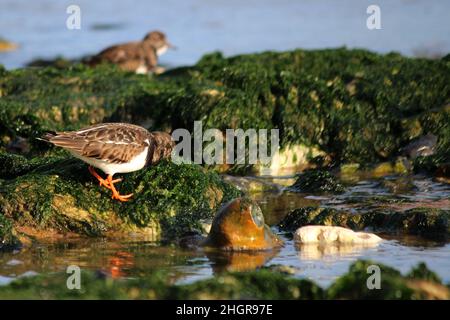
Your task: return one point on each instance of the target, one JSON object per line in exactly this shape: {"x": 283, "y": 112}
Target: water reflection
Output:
{"x": 240, "y": 261}
{"x": 320, "y": 251}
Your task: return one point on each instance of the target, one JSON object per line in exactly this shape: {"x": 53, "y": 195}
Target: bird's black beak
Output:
{"x": 171, "y": 46}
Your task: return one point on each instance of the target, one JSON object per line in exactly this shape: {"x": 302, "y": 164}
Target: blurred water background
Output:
{"x": 196, "y": 27}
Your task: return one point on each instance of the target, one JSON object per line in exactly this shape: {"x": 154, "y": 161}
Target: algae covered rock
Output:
{"x": 430, "y": 223}
{"x": 315, "y": 181}
{"x": 61, "y": 197}
{"x": 7, "y": 238}
{"x": 354, "y": 285}
{"x": 36, "y": 100}
{"x": 320, "y": 99}
{"x": 326, "y": 98}
{"x": 262, "y": 284}
{"x": 265, "y": 283}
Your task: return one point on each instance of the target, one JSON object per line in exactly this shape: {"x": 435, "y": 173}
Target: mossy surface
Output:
{"x": 393, "y": 285}
{"x": 357, "y": 106}
{"x": 60, "y": 195}
{"x": 260, "y": 284}
{"x": 35, "y": 100}
{"x": 8, "y": 240}
{"x": 316, "y": 181}
{"x": 430, "y": 223}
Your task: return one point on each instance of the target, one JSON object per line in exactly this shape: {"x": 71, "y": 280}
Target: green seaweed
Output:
{"x": 393, "y": 285}
{"x": 422, "y": 272}
{"x": 317, "y": 181}
{"x": 264, "y": 283}
{"x": 8, "y": 240}
{"x": 355, "y": 105}
{"x": 169, "y": 199}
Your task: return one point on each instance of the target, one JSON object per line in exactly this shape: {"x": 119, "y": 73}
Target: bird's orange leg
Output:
{"x": 102, "y": 182}
{"x": 116, "y": 194}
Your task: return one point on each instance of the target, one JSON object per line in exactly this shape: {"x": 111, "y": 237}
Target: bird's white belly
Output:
{"x": 109, "y": 168}
{"x": 162, "y": 50}
{"x": 142, "y": 69}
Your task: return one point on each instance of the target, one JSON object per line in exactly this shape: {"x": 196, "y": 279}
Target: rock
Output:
{"x": 290, "y": 159}
{"x": 252, "y": 184}
{"x": 383, "y": 169}
{"x": 304, "y": 94}
{"x": 421, "y": 147}
{"x": 265, "y": 283}
{"x": 315, "y": 181}
{"x": 443, "y": 173}
{"x": 349, "y": 168}
{"x": 239, "y": 226}
{"x": 393, "y": 285}
{"x": 8, "y": 239}
{"x": 60, "y": 197}
{"x": 431, "y": 223}
{"x": 330, "y": 234}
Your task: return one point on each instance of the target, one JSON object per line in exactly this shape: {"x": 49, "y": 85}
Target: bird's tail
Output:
{"x": 47, "y": 136}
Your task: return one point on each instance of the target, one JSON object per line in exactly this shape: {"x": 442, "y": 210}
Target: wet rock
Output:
{"x": 427, "y": 222}
{"x": 60, "y": 197}
{"x": 8, "y": 240}
{"x": 399, "y": 185}
{"x": 252, "y": 184}
{"x": 443, "y": 173}
{"x": 393, "y": 285}
{"x": 266, "y": 283}
{"x": 15, "y": 165}
{"x": 349, "y": 168}
{"x": 400, "y": 166}
{"x": 290, "y": 159}
{"x": 421, "y": 147}
{"x": 330, "y": 234}
{"x": 315, "y": 181}
{"x": 239, "y": 226}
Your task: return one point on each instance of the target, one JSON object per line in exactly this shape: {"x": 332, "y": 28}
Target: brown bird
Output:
{"x": 138, "y": 56}
{"x": 114, "y": 148}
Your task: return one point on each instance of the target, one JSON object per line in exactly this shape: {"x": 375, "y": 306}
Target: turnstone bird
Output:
{"x": 138, "y": 56}
{"x": 114, "y": 148}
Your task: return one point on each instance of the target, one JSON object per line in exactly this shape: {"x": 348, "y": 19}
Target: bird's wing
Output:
{"x": 121, "y": 53}
{"x": 150, "y": 56}
{"x": 114, "y": 144}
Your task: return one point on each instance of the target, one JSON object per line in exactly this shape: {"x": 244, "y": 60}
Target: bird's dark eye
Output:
{"x": 257, "y": 215}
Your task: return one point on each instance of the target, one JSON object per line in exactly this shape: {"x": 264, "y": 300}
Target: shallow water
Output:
{"x": 196, "y": 27}
{"x": 323, "y": 264}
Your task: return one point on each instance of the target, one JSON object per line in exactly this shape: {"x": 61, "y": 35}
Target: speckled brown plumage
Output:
{"x": 114, "y": 148}
{"x": 132, "y": 56}
{"x": 114, "y": 142}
